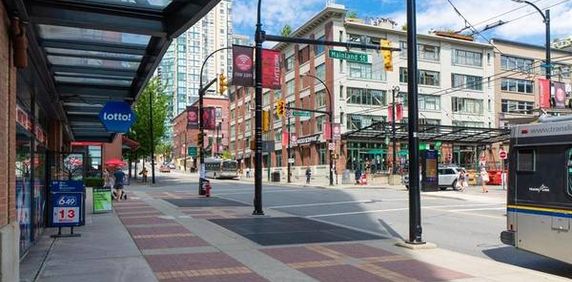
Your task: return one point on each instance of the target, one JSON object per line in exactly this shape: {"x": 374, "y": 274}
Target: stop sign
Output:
{"x": 502, "y": 154}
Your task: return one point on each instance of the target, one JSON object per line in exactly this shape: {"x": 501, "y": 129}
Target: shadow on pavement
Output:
{"x": 512, "y": 256}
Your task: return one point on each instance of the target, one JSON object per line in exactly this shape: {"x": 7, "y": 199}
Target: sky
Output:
{"x": 431, "y": 14}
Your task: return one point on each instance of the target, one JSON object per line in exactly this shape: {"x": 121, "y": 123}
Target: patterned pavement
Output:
{"x": 153, "y": 230}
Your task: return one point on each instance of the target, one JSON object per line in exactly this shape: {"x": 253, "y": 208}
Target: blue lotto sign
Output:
{"x": 117, "y": 117}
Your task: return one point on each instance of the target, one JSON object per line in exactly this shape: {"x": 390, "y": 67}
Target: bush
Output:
{"x": 93, "y": 182}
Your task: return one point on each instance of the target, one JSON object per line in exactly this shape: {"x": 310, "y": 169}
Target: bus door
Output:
{"x": 543, "y": 200}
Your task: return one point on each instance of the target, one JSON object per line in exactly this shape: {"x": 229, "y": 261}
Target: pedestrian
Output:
{"x": 247, "y": 172}
{"x": 484, "y": 175}
{"x": 119, "y": 183}
{"x": 108, "y": 180}
{"x": 308, "y": 175}
{"x": 144, "y": 174}
{"x": 358, "y": 175}
{"x": 462, "y": 180}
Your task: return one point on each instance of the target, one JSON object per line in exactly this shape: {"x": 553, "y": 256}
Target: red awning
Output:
{"x": 132, "y": 144}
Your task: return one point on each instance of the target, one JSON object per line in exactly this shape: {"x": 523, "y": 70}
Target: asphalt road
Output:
{"x": 469, "y": 223}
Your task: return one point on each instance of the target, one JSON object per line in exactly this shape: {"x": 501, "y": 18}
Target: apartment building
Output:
{"x": 453, "y": 90}
{"x": 518, "y": 67}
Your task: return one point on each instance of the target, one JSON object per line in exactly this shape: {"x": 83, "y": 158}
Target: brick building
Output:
{"x": 216, "y": 141}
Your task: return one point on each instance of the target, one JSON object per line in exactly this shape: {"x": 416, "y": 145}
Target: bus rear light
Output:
{"x": 524, "y": 131}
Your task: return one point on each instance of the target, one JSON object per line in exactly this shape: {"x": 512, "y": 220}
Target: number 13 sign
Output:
{"x": 66, "y": 215}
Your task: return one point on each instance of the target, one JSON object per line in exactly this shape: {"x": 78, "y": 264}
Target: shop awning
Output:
{"x": 101, "y": 50}
{"x": 431, "y": 133}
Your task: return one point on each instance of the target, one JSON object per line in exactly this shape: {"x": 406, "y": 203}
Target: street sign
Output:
{"x": 349, "y": 56}
{"x": 117, "y": 117}
{"x": 291, "y": 160}
{"x": 192, "y": 151}
{"x": 502, "y": 154}
{"x": 331, "y": 146}
{"x": 301, "y": 114}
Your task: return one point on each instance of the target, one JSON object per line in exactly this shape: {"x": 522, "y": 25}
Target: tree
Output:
{"x": 164, "y": 149}
{"x": 286, "y": 30}
{"x": 141, "y": 129}
{"x": 352, "y": 15}
{"x": 404, "y": 27}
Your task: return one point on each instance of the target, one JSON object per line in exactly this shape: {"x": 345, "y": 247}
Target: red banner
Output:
{"x": 337, "y": 134}
{"x": 284, "y": 138}
{"x": 544, "y": 93}
{"x": 209, "y": 118}
{"x": 271, "y": 69}
{"x": 242, "y": 65}
{"x": 192, "y": 117}
{"x": 398, "y": 112}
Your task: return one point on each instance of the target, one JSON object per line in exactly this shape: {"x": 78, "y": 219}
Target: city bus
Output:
{"x": 539, "y": 196}
{"x": 221, "y": 169}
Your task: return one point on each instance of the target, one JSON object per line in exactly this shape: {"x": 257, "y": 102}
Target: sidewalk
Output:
{"x": 150, "y": 238}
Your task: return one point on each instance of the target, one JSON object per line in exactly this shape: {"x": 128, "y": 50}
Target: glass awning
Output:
{"x": 102, "y": 50}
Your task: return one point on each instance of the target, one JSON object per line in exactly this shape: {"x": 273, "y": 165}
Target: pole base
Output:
{"x": 416, "y": 245}
{"x": 255, "y": 212}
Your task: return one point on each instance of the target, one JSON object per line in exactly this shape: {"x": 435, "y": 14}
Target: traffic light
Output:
{"x": 281, "y": 108}
{"x": 265, "y": 121}
{"x": 387, "y": 56}
{"x": 200, "y": 141}
{"x": 222, "y": 84}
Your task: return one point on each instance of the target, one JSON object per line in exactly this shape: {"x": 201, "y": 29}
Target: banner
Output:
{"x": 559, "y": 94}
{"x": 398, "y": 112}
{"x": 192, "y": 117}
{"x": 337, "y": 134}
{"x": 242, "y": 65}
{"x": 544, "y": 93}
{"x": 209, "y": 118}
{"x": 271, "y": 69}
{"x": 285, "y": 138}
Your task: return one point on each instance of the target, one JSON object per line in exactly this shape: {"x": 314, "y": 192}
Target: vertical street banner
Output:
{"x": 544, "y": 88}
{"x": 398, "y": 112}
{"x": 285, "y": 138}
{"x": 242, "y": 65}
{"x": 271, "y": 69}
{"x": 337, "y": 134}
{"x": 559, "y": 94}
{"x": 192, "y": 117}
{"x": 209, "y": 118}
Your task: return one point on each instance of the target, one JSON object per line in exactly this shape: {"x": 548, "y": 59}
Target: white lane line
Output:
{"x": 272, "y": 191}
{"x": 322, "y": 204}
{"x": 478, "y": 209}
{"x": 391, "y": 210}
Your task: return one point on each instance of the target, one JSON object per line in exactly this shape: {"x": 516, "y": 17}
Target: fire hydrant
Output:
{"x": 207, "y": 188}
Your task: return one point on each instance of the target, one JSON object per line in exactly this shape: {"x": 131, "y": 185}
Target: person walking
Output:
{"x": 119, "y": 183}
{"x": 484, "y": 175}
{"x": 144, "y": 174}
{"x": 358, "y": 175}
{"x": 308, "y": 175}
{"x": 108, "y": 180}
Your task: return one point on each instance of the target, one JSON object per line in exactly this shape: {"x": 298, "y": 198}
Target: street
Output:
{"x": 466, "y": 222}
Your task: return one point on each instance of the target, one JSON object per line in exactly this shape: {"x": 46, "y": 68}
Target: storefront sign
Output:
{"x": 242, "y": 62}
{"x": 271, "y": 69}
{"x": 117, "y": 117}
{"x": 101, "y": 200}
{"x": 66, "y": 203}
{"x": 308, "y": 139}
{"x": 23, "y": 119}
{"x": 192, "y": 117}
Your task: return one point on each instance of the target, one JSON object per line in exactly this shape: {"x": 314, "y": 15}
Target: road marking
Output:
{"x": 478, "y": 209}
{"x": 272, "y": 191}
{"x": 322, "y": 204}
{"x": 391, "y": 210}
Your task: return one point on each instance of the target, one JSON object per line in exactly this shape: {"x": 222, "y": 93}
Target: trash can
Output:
{"x": 275, "y": 176}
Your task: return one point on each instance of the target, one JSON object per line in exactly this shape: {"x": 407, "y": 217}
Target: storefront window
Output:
{"x": 24, "y": 187}
{"x": 94, "y": 161}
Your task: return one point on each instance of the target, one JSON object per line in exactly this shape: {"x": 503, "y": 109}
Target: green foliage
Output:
{"x": 352, "y": 15}
{"x": 226, "y": 155}
{"x": 164, "y": 149}
{"x": 286, "y": 30}
{"x": 140, "y": 131}
{"x": 93, "y": 182}
{"x": 404, "y": 27}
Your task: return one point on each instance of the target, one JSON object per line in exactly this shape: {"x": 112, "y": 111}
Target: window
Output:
{"x": 560, "y": 70}
{"x": 429, "y": 121}
{"x": 525, "y": 160}
{"x": 265, "y": 99}
{"x": 320, "y": 123}
{"x": 467, "y": 58}
{"x": 467, "y": 123}
{"x": 365, "y": 71}
{"x": 304, "y": 55}
{"x": 467, "y": 105}
{"x": 517, "y": 85}
{"x": 278, "y": 155}
{"x": 362, "y": 96}
{"x": 323, "y": 151}
{"x": 319, "y": 49}
{"x": 321, "y": 73}
{"x": 360, "y": 121}
{"x": 518, "y": 107}
{"x": 467, "y": 81}
{"x": 429, "y": 102}
{"x": 289, "y": 63}
{"x": 320, "y": 98}
{"x": 516, "y": 64}
{"x": 425, "y": 77}
{"x": 424, "y": 51}
{"x": 290, "y": 86}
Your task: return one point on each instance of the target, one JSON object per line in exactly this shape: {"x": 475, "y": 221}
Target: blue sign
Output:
{"x": 117, "y": 117}
{"x": 66, "y": 203}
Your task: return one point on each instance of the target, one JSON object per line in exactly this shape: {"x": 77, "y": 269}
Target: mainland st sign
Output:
{"x": 117, "y": 117}
{"x": 348, "y": 56}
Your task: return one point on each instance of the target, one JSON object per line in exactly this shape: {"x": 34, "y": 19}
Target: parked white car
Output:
{"x": 448, "y": 176}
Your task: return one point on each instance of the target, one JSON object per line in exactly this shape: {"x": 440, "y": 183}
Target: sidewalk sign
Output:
{"x": 102, "y": 199}
{"x": 67, "y": 205}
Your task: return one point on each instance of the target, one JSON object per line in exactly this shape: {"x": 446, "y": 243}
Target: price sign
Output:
{"x": 66, "y": 203}
{"x": 66, "y": 215}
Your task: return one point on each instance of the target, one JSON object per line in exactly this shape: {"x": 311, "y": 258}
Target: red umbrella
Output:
{"x": 115, "y": 163}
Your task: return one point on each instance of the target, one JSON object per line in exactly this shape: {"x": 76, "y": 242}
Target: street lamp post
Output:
{"x": 331, "y": 120}
{"x": 546, "y": 18}
{"x": 151, "y": 137}
{"x": 258, "y": 38}
{"x": 289, "y": 149}
{"x": 393, "y": 133}
{"x": 185, "y": 152}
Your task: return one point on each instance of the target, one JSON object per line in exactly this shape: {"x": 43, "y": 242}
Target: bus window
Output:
{"x": 526, "y": 160}
{"x": 569, "y": 168}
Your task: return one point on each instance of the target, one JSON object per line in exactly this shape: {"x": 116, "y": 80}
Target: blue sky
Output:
{"x": 431, "y": 14}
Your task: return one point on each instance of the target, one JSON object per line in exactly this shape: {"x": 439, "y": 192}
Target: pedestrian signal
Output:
{"x": 387, "y": 56}
{"x": 222, "y": 84}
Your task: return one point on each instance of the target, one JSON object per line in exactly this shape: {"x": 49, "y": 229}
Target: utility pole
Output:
{"x": 258, "y": 38}
{"x": 288, "y": 113}
{"x": 151, "y": 137}
{"x": 185, "y": 151}
{"x": 393, "y": 137}
{"x": 414, "y": 196}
